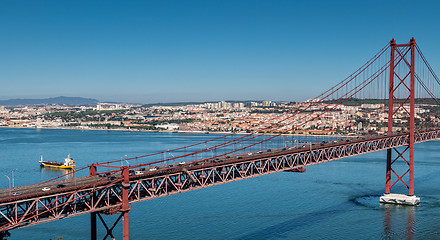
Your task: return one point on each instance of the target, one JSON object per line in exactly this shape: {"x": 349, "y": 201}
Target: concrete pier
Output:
{"x": 401, "y": 199}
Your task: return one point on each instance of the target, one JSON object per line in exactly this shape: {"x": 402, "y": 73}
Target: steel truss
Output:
{"x": 404, "y": 83}
{"x": 110, "y": 197}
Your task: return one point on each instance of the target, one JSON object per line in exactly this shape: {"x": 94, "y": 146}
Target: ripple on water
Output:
{"x": 370, "y": 201}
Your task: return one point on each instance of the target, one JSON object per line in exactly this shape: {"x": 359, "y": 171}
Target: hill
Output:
{"x": 56, "y": 100}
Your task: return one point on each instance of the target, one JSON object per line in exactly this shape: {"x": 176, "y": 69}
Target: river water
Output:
{"x": 335, "y": 200}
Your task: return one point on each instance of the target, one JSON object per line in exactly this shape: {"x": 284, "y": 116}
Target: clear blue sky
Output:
{"x": 167, "y": 51}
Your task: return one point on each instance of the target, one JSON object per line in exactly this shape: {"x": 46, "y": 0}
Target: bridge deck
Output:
{"x": 76, "y": 196}
{"x": 65, "y": 185}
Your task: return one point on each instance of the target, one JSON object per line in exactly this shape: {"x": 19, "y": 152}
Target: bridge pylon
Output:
{"x": 401, "y": 94}
{"x": 123, "y": 209}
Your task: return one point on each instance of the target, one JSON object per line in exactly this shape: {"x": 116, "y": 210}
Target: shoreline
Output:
{"x": 101, "y": 129}
{"x": 174, "y": 131}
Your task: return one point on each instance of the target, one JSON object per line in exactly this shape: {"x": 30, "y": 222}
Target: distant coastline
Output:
{"x": 61, "y": 100}
{"x": 172, "y": 131}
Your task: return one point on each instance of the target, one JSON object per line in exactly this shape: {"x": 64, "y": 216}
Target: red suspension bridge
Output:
{"x": 399, "y": 76}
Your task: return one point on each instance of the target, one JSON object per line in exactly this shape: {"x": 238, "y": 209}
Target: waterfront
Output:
{"x": 336, "y": 200}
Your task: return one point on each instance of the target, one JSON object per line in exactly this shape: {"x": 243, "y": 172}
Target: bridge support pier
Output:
{"x": 125, "y": 207}
{"x": 109, "y": 229}
{"x": 125, "y": 202}
{"x": 125, "y": 235}
{"x": 405, "y": 84}
{"x": 401, "y": 199}
{"x": 93, "y": 235}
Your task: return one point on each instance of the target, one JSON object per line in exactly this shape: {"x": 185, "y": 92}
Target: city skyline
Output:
{"x": 173, "y": 51}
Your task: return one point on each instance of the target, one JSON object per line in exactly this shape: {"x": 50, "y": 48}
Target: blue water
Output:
{"x": 335, "y": 200}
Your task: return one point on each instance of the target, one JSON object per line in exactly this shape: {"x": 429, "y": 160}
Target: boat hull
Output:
{"x": 54, "y": 165}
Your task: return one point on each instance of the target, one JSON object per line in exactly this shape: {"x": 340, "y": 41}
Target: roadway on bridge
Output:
{"x": 66, "y": 185}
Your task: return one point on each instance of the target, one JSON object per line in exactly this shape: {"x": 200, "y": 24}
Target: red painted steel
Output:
{"x": 109, "y": 229}
{"x": 125, "y": 202}
{"x": 279, "y": 119}
{"x": 102, "y": 194}
{"x": 93, "y": 232}
{"x": 123, "y": 209}
{"x": 92, "y": 170}
{"x": 411, "y": 122}
{"x": 396, "y": 59}
{"x": 112, "y": 192}
{"x": 390, "y": 116}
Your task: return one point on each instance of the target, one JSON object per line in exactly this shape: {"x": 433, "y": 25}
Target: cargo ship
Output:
{"x": 68, "y": 163}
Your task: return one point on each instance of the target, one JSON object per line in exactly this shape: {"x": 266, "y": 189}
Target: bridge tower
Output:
{"x": 401, "y": 92}
{"x": 123, "y": 209}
